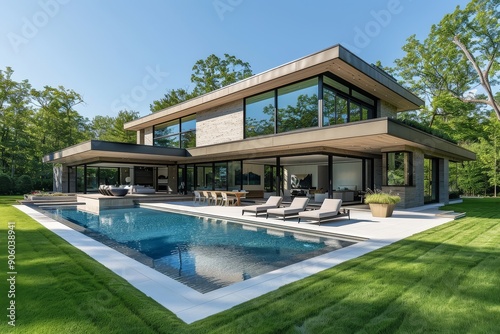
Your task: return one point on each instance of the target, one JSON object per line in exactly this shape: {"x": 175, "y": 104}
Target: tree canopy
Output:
{"x": 35, "y": 122}
{"x": 208, "y": 75}
{"x": 456, "y": 69}
{"x": 460, "y": 55}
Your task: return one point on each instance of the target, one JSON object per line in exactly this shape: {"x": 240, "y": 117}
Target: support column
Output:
{"x": 278, "y": 177}
{"x": 330, "y": 176}
{"x": 444, "y": 180}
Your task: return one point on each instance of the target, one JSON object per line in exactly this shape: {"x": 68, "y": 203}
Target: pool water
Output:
{"x": 203, "y": 253}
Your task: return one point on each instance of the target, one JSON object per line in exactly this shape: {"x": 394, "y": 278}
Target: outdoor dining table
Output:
{"x": 237, "y": 194}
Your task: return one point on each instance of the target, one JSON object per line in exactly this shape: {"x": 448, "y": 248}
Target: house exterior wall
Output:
{"x": 220, "y": 125}
{"x": 411, "y": 196}
{"x": 444, "y": 179}
{"x": 140, "y": 137}
{"x": 377, "y": 173}
{"x": 148, "y": 136}
{"x": 386, "y": 110}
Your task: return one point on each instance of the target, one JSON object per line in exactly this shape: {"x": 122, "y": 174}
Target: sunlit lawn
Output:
{"x": 445, "y": 280}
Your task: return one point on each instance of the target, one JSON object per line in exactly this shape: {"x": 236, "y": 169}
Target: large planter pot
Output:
{"x": 382, "y": 210}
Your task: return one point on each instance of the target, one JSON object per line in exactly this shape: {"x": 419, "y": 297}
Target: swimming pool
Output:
{"x": 201, "y": 252}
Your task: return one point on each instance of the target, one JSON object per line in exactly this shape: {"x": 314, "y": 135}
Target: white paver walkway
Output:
{"x": 191, "y": 305}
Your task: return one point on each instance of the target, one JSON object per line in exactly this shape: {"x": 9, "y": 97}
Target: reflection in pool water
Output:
{"x": 203, "y": 253}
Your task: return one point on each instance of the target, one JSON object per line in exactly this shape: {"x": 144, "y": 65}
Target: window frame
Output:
{"x": 407, "y": 172}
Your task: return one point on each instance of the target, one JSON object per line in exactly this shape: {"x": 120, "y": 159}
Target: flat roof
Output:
{"x": 367, "y": 138}
{"x": 94, "y": 151}
{"x": 336, "y": 60}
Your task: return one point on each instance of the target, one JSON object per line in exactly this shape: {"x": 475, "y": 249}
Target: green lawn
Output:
{"x": 445, "y": 280}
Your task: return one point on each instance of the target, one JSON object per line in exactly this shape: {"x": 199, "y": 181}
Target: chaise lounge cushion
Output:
{"x": 328, "y": 210}
{"x": 142, "y": 190}
{"x": 298, "y": 204}
{"x": 272, "y": 202}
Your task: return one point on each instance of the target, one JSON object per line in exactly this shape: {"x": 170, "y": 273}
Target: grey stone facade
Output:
{"x": 220, "y": 125}
{"x": 386, "y": 109}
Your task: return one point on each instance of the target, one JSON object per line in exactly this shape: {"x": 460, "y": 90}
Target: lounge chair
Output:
{"x": 330, "y": 209}
{"x": 272, "y": 203}
{"x": 298, "y": 204}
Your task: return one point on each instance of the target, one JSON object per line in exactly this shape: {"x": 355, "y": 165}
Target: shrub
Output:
{"x": 380, "y": 197}
{"x": 5, "y": 184}
{"x": 24, "y": 184}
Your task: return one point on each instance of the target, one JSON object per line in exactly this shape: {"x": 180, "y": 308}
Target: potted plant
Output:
{"x": 381, "y": 204}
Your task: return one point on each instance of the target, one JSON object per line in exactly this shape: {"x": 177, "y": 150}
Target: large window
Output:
{"x": 339, "y": 107}
{"x": 188, "y": 131}
{"x": 295, "y": 107}
{"x": 179, "y": 133}
{"x": 259, "y": 115}
{"x": 399, "y": 169}
{"x": 298, "y": 106}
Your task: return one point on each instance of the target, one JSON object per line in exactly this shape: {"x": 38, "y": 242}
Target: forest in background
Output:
{"x": 455, "y": 70}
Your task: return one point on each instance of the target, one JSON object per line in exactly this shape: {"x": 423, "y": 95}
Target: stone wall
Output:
{"x": 386, "y": 110}
{"x": 220, "y": 125}
{"x": 148, "y": 136}
{"x": 444, "y": 179}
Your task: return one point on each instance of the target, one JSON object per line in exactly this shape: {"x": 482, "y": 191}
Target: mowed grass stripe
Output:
{"x": 444, "y": 280}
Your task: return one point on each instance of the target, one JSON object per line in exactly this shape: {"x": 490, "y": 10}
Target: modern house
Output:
{"x": 321, "y": 126}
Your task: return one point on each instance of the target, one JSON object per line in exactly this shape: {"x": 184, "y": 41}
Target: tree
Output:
{"x": 171, "y": 98}
{"x": 208, "y": 75}
{"x": 214, "y": 73}
{"x": 118, "y": 133}
{"x": 59, "y": 124}
{"x": 461, "y": 53}
{"x": 489, "y": 153}
{"x": 15, "y": 116}
{"x": 101, "y": 126}
{"x": 471, "y": 178}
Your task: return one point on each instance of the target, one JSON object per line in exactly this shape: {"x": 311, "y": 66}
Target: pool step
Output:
{"x": 451, "y": 214}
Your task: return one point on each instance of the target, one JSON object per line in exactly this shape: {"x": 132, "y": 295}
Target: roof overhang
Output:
{"x": 95, "y": 151}
{"x": 361, "y": 139}
{"x": 336, "y": 60}
{"x": 364, "y": 139}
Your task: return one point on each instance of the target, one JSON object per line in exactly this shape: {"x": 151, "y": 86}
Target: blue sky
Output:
{"x": 126, "y": 54}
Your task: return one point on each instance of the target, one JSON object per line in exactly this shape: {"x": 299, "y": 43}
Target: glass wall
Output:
{"x": 216, "y": 176}
{"x": 188, "y": 131}
{"x": 339, "y": 107}
{"x": 80, "y": 179}
{"x": 298, "y": 106}
{"x": 259, "y": 115}
{"x": 220, "y": 176}
{"x": 399, "y": 169}
{"x": 108, "y": 176}
{"x": 234, "y": 175}
{"x": 204, "y": 176}
{"x": 295, "y": 107}
{"x": 179, "y": 133}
